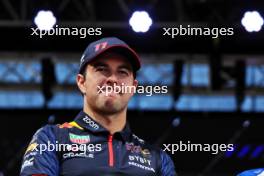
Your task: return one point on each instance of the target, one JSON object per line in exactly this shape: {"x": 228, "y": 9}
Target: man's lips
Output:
{"x": 111, "y": 95}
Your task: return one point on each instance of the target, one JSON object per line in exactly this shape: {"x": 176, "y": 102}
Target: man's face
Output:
{"x": 102, "y": 75}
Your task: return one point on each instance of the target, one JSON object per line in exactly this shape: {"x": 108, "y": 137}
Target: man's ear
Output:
{"x": 80, "y": 80}
{"x": 135, "y": 83}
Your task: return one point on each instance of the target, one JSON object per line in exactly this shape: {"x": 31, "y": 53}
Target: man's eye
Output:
{"x": 123, "y": 72}
{"x": 100, "y": 69}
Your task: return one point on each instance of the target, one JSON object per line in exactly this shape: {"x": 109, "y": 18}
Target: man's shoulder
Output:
{"x": 69, "y": 125}
{"x": 53, "y": 129}
{"x": 64, "y": 126}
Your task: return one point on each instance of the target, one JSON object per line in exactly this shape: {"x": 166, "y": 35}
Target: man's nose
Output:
{"x": 112, "y": 80}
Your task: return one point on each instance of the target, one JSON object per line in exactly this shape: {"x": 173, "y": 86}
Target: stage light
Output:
{"x": 246, "y": 124}
{"x": 229, "y": 153}
{"x": 140, "y": 21}
{"x": 176, "y": 122}
{"x": 45, "y": 20}
{"x": 252, "y": 21}
{"x": 257, "y": 152}
{"x": 244, "y": 151}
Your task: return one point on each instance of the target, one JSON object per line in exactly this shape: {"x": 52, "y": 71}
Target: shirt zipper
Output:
{"x": 110, "y": 150}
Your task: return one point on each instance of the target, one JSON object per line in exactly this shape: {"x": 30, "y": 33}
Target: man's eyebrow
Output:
{"x": 98, "y": 64}
{"x": 102, "y": 64}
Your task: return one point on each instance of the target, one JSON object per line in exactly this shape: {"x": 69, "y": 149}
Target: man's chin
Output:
{"x": 109, "y": 110}
{"x": 111, "y": 106}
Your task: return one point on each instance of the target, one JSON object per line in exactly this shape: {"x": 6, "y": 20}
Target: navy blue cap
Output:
{"x": 113, "y": 44}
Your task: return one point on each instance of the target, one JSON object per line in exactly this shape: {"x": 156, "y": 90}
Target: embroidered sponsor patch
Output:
{"x": 79, "y": 139}
{"x": 31, "y": 147}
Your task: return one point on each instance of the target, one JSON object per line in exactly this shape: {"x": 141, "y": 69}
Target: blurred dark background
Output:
{"x": 215, "y": 84}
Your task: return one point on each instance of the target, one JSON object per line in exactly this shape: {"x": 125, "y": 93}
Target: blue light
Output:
{"x": 206, "y": 103}
{"x": 158, "y": 102}
{"x": 256, "y": 153}
{"x": 244, "y": 151}
{"x": 228, "y": 154}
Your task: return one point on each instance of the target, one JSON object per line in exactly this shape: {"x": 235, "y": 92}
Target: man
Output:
{"x": 99, "y": 139}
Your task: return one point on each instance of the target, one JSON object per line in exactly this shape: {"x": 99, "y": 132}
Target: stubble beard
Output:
{"x": 107, "y": 106}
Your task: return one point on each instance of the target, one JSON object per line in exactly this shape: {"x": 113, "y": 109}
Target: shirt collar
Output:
{"x": 85, "y": 121}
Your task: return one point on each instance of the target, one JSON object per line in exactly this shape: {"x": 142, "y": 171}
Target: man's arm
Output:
{"x": 38, "y": 161}
{"x": 167, "y": 165}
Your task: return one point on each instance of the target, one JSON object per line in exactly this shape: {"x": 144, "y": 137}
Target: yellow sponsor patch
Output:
{"x": 31, "y": 147}
{"x": 145, "y": 152}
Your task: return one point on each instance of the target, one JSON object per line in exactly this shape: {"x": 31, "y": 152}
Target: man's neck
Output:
{"x": 112, "y": 122}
